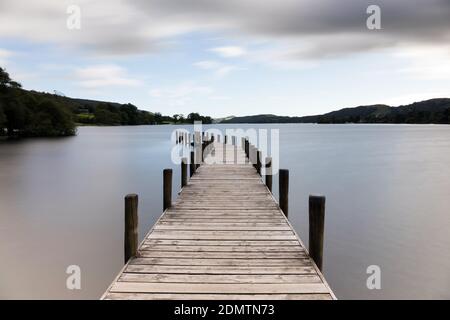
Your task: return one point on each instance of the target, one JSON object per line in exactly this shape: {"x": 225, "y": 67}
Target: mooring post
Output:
{"x": 203, "y": 150}
{"x": 225, "y": 139}
{"x": 316, "y": 228}
{"x": 167, "y": 189}
{"x": 247, "y": 149}
{"x": 284, "y": 190}
{"x": 192, "y": 164}
{"x": 268, "y": 172}
{"x": 253, "y": 155}
{"x": 131, "y": 226}
{"x": 183, "y": 172}
{"x": 258, "y": 162}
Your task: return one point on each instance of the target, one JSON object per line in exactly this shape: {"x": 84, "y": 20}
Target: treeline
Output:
{"x": 26, "y": 113}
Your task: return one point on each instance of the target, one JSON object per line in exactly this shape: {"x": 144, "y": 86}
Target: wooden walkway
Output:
{"x": 224, "y": 238}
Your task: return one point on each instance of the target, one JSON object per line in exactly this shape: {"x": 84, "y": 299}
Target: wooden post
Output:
{"x": 203, "y": 150}
{"x": 258, "y": 161}
{"x": 253, "y": 155}
{"x": 198, "y": 155}
{"x": 131, "y": 226}
{"x": 225, "y": 141}
{"x": 284, "y": 191}
{"x": 167, "y": 189}
{"x": 247, "y": 146}
{"x": 183, "y": 172}
{"x": 243, "y": 143}
{"x": 192, "y": 164}
{"x": 316, "y": 228}
{"x": 269, "y": 173}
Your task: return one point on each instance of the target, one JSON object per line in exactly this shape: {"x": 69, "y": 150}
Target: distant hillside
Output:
{"x": 430, "y": 111}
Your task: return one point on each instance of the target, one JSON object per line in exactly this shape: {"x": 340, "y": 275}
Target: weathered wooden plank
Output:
{"x": 224, "y": 243}
{"x": 142, "y": 268}
{"x": 172, "y": 296}
{"x": 224, "y": 288}
{"x": 219, "y": 278}
{"x": 183, "y": 227}
{"x": 222, "y": 255}
{"x": 222, "y": 262}
{"x": 223, "y": 248}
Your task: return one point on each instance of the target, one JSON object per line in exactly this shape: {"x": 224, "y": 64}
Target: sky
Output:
{"x": 233, "y": 57}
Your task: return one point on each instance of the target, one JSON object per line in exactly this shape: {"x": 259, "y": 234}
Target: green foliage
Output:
{"x": 30, "y": 113}
{"x": 5, "y": 80}
{"x": 197, "y": 117}
{"x": 2, "y": 120}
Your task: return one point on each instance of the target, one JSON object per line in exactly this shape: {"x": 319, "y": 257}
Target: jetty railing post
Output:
{"x": 283, "y": 176}
{"x": 269, "y": 173}
{"x": 192, "y": 164}
{"x": 131, "y": 226}
{"x": 243, "y": 143}
{"x": 183, "y": 172}
{"x": 258, "y": 162}
{"x": 316, "y": 228}
{"x": 247, "y": 147}
{"x": 167, "y": 189}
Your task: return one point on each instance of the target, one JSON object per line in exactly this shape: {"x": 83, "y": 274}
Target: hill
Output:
{"x": 430, "y": 111}
{"x": 25, "y": 113}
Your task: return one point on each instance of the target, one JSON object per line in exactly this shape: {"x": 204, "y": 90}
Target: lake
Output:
{"x": 387, "y": 189}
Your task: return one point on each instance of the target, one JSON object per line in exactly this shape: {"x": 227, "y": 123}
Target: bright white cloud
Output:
{"x": 100, "y": 76}
{"x": 229, "y": 52}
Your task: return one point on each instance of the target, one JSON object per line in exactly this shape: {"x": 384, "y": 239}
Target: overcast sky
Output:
{"x": 231, "y": 57}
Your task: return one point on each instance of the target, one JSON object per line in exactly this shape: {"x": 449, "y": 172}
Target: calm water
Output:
{"x": 387, "y": 188}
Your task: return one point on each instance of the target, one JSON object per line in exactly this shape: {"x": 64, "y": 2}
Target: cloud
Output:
{"x": 182, "y": 94}
{"x": 4, "y": 56}
{"x": 219, "y": 69}
{"x": 100, "y": 76}
{"x": 229, "y": 52}
{"x": 314, "y": 29}
{"x": 426, "y": 63}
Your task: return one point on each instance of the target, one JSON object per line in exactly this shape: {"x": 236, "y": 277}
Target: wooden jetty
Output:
{"x": 224, "y": 237}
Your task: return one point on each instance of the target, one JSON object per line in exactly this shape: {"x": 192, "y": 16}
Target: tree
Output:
{"x": 51, "y": 119}
{"x": 2, "y": 119}
{"x": 5, "y": 80}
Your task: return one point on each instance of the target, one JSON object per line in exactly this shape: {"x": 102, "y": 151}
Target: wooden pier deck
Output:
{"x": 224, "y": 237}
